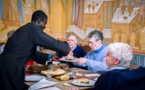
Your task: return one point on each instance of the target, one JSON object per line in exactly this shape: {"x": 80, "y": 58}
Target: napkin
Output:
{"x": 50, "y": 88}
{"x": 42, "y": 83}
{"x": 96, "y": 79}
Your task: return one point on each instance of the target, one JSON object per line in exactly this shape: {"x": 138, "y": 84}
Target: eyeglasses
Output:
{"x": 92, "y": 43}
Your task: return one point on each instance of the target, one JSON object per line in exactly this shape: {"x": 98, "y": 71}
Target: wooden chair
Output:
{"x": 132, "y": 66}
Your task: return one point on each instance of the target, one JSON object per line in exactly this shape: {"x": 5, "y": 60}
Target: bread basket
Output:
{"x": 38, "y": 68}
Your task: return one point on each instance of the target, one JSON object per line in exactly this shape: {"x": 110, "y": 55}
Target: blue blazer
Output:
{"x": 122, "y": 80}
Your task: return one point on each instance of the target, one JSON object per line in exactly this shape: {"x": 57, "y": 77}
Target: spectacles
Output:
{"x": 92, "y": 43}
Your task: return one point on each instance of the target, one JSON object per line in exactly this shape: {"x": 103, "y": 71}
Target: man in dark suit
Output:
{"x": 22, "y": 46}
{"x": 120, "y": 78}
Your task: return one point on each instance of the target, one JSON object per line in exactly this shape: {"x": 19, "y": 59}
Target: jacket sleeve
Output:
{"x": 40, "y": 57}
{"x": 97, "y": 65}
{"x": 46, "y": 41}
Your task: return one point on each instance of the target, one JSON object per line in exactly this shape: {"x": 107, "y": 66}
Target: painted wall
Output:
{"x": 60, "y": 13}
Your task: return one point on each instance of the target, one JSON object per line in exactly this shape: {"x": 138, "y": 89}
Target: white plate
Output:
{"x": 34, "y": 78}
{"x": 89, "y": 75}
{"x": 92, "y": 83}
{"x": 67, "y": 60}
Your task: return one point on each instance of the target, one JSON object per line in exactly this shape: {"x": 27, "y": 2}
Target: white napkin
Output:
{"x": 50, "y": 88}
{"x": 96, "y": 79}
{"x": 42, "y": 83}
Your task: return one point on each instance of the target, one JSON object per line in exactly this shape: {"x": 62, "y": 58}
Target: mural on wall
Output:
{"x": 131, "y": 22}
{"x": 124, "y": 19}
{"x": 11, "y": 12}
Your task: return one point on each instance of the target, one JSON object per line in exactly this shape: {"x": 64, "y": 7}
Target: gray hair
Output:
{"x": 98, "y": 35}
{"x": 10, "y": 33}
{"x": 122, "y": 52}
{"x": 72, "y": 35}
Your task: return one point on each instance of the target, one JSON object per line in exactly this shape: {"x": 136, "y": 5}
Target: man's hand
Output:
{"x": 81, "y": 60}
{"x": 55, "y": 58}
{"x": 70, "y": 53}
{"x": 69, "y": 50}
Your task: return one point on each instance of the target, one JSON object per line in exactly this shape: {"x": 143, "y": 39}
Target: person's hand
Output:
{"x": 81, "y": 60}
{"x": 69, "y": 50}
{"x": 70, "y": 53}
{"x": 55, "y": 58}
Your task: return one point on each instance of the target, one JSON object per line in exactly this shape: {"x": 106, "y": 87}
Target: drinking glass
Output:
{"x": 49, "y": 76}
{"x": 74, "y": 73}
{"x": 50, "y": 67}
{"x": 65, "y": 67}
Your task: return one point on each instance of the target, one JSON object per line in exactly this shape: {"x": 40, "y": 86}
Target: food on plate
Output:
{"x": 64, "y": 77}
{"x": 79, "y": 75}
{"x": 56, "y": 72}
{"x": 70, "y": 57}
{"x": 83, "y": 81}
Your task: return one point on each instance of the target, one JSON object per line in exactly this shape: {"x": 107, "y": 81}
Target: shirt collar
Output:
{"x": 100, "y": 49}
{"x": 118, "y": 68}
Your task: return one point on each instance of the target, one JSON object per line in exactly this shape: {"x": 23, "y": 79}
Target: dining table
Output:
{"x": 62, "y": 84}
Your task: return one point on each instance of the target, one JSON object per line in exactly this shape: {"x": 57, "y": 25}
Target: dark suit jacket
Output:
{"x": 19, "y": 49}
{"x": 122, "y": 80}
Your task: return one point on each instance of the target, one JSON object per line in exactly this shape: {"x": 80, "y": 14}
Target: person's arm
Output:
{"x": 81, "y": 65}
{"x": 97, "y": 65}
{"x": 42, "y": 39}
{"x": 41, "y": 57}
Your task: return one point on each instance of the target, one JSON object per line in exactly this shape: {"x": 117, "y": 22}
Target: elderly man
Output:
{"x": 95, "y": 59}
{"x": 120, "y": 78}
{"x": 76, "y": 50}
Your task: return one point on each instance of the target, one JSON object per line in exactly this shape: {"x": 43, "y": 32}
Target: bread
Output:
{"x": 83, "y": 81}
{"x": 64, "y": 77}
{"x": 56, "y": 72}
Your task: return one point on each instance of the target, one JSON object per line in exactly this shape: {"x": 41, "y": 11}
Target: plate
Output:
{"x": 92, "y": 83}
{"x": 91, "y": 75}
{"x": 56, "y": 72}
{"x": 34, "y": 78}
{"x": 67, "y": 60}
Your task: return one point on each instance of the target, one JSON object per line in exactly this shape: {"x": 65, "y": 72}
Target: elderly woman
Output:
{"x": 120, "y": 77}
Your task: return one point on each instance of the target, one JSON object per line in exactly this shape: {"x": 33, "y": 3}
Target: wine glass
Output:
{"x": 49, "y": 76}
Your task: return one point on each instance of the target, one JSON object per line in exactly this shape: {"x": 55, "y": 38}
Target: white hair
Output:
{"x": 69, "y": 35}
{"x": 122, "y": 52}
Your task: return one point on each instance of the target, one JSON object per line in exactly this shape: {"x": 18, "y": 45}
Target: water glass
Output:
{"x": 50, "y": 67}
{"x": 49, "y": 76}
{"x": 65, "y": 67}
{"x": 74, "y": 73}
